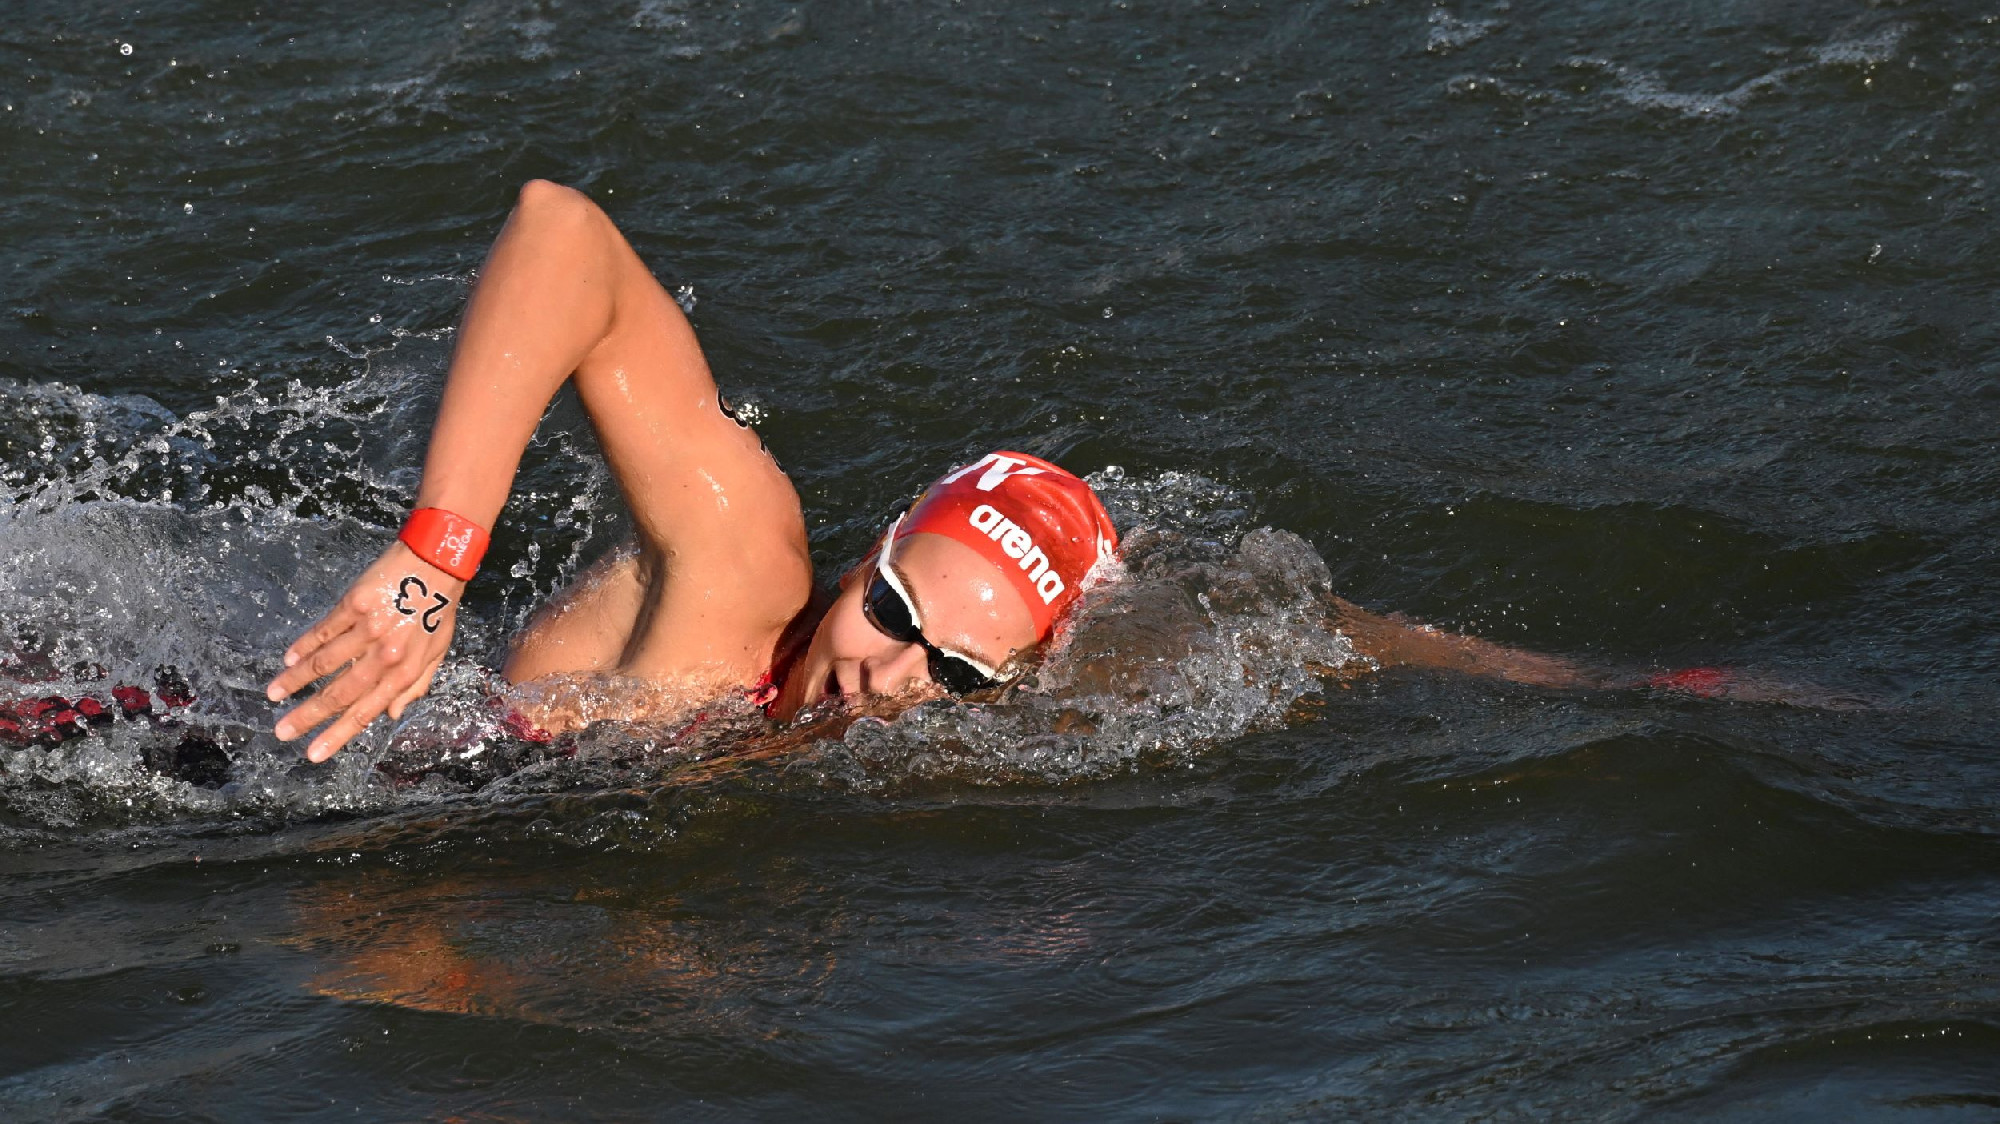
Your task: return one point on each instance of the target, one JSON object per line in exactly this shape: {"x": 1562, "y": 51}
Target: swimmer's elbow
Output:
{"x": 544, "y": 202}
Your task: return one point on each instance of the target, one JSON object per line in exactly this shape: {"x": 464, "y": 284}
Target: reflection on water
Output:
{"x": 454, "y": 945}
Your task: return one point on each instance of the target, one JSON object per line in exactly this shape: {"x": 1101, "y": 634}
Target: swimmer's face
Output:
{"x": 964, "y": 603}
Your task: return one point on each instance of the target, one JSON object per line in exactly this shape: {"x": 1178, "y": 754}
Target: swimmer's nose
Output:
{"x": 892, "y": 672}
{"x": 846, "y": 678}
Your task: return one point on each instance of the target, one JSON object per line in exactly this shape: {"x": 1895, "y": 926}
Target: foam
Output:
{"x": 1449, "y": 33}
{"x": 1647, "y": 90}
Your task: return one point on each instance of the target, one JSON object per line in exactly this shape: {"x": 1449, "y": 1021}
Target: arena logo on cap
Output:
{"x": 1017, "y": 543}
{"x": 998, "y": 469}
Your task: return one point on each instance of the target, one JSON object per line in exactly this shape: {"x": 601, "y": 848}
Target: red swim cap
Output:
{"x": 1041, "y": 524}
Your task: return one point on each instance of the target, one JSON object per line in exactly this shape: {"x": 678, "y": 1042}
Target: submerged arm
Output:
{"x": 1393, "y": 640}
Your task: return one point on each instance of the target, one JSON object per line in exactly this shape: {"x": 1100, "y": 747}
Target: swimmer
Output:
{"x": 716, "y": 595}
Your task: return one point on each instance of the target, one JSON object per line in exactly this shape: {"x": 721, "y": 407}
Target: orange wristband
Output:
{"x": 450, "y": 542}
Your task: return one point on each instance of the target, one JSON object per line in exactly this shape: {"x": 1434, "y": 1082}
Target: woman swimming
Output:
{"x": 717, "y": 594}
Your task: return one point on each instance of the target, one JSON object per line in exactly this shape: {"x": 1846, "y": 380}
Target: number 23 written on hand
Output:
{"x": 439, "y": 602}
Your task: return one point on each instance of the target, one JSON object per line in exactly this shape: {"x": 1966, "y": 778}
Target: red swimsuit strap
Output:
{"x": 764, "y": 693}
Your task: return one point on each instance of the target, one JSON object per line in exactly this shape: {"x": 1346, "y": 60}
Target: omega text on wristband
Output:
{"x": 450, "y": 542}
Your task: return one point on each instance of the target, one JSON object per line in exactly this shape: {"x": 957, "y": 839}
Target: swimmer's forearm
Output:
{"x": 544, "y": 299}
{"x": 1394, "y": 641}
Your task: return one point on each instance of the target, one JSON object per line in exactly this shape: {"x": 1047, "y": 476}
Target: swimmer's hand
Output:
{"x": 382, "y": 644}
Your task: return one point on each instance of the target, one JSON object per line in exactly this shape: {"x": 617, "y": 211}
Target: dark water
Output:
{"x": 1654, "y": 334}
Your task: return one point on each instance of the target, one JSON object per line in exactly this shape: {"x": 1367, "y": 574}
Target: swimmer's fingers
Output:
{"x": 351, "y": 612}
{"x": 318, "y": 662}
{"x": 392, "y": 670}
{"x": 417, "y": 690}
{"x": 351, "y": 722}
{"x": 336, "y": 697}
{"x": 365, "y": 614}
{"x": 426, "y": 656}
{"x": 347, "y": 633}
{"x": 401, "y": 686}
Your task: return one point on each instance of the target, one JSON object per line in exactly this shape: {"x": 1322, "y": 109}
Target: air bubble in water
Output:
{"x": 125, "y": 48}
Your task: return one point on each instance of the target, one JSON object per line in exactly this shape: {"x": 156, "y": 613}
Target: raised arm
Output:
{"x": 561, "y": 294}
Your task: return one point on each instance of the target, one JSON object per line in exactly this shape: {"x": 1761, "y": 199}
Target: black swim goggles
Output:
{"x": 890, "y": 608}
